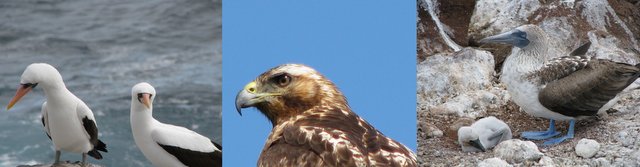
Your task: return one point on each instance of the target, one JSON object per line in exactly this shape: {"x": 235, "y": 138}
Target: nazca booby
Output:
{"x": 164, "y": 144}
{"x": 562, "y": 88}
{"x": 67, "y": 120}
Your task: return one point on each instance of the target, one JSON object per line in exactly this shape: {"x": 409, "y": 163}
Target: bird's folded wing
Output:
{"x": 499, "y": 135}
{"x": 85, "y": 115}
{"x": 581, "y": 90}
{"x": 189, "y": 147}
{"x": 559, "y": 68}
{"x": 45, "y": 119}
{"x": 182, "y": 137}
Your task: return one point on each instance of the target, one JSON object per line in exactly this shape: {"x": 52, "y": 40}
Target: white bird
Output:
{"x": 483, "y": 134}
{"x": 562, "y": 88}
{"x": 67, "y": 120}
{"x": 164, "y": 144}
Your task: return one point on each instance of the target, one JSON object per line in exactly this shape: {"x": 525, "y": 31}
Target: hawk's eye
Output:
{"x": 283, "y": 80}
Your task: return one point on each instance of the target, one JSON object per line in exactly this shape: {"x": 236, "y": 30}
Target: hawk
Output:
{"x": 313, "y": 124}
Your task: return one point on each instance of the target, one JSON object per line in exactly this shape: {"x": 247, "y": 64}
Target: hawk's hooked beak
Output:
{"x": 514, "y": 37}
{"x": 145, "y": 98}
{"x": 22, "y": 90}
{"x": 249, "y": 96}
{"x": 477, "y": 144}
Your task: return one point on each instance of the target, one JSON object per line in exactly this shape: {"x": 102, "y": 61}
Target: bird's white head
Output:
{"x": 41, "y": 73}
{"x": 34, "y": 75}
{"x": 142, "y": 96}
{"x": 469, "y": 140}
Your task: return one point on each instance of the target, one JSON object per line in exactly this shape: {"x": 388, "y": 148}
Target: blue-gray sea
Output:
{"x": 102, "y": 48}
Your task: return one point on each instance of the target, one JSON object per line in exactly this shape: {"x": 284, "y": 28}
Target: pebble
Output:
{"x": 587, "y": 148}
{"x": 494, "y": 162}
{"x": 517, "y": 151}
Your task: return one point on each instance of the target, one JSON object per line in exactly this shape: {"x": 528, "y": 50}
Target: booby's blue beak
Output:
{"x": 514, "y": 37}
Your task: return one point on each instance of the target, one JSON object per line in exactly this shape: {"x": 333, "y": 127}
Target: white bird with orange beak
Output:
{"x": 164, "y": 144}
{"x": 67, "y": 120}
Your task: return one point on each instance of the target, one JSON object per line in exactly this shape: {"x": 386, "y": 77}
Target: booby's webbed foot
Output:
{"x": 558, "y": 140}
{"x": 541, "y": 135}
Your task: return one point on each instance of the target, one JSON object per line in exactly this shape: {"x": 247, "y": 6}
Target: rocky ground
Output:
{"x": 63, "y": 164}
{"x": 456, "y": 88}
{"x": 618, "y": 134}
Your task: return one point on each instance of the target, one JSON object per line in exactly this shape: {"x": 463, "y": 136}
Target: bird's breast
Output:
{"x": 66, "y": 131}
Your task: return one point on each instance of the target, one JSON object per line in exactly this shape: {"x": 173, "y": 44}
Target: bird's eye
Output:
{"x": 521, "y": 34}
{"x": 32, "y": 85}
{"x": 140, "y": 97}
{"x": 283, "y": 80}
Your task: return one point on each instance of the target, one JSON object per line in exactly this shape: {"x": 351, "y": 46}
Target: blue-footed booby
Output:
{"x": 164, "y": 144}
{"x": 483, "y": 134}
{"x": 562, "y": 88}
{"x": 67, "y": 120}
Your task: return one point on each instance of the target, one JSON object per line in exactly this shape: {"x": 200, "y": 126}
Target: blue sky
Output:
{"x": 367, "y": 48}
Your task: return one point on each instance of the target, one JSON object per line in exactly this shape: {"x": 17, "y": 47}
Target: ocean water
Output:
{"x": 102, "y": 48}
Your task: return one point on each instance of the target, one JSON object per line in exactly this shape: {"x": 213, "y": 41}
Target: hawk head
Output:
{"x": 288, "y": 90}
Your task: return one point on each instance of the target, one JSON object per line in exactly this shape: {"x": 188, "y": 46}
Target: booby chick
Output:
{"x": 313, "y": 125}
{"x": 67, "y": 120}
{"x": 168, "y": 145}
{"x": 483, "y": 134}
{"x": 562, "y": 88}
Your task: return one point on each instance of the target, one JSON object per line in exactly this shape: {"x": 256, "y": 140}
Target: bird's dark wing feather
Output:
{"x": 582, "y": 50}
{"x": 559, "y": 68}
{"x": 44, "y": 119}
{"x": 91, "y": 129}
{"x": 194, "y": 158}
{"x": 589, "y": 87}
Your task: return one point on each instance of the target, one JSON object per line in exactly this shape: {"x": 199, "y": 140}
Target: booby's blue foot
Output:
{"x": 563, "y": 138}
{"x": 541, "y": 135}
{"x": 555, "y": 141}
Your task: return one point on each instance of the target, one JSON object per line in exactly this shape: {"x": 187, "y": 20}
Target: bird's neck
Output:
{"x": 55, "y": 90}
{"x": 141, "y": 117}
{"x": 525, "y": 60}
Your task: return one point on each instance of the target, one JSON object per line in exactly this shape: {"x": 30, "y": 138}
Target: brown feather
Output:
{"x": 586, "y": 90}
{"x": 314, "y": 126}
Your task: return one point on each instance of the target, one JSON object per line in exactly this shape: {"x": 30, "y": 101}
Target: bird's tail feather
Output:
{"x": 95, "y": 154}
{"x": 582, "y": 50}
{"x": 100, "y": 146}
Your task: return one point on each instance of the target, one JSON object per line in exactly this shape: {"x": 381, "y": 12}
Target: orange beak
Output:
{"x": 146, "y": 100}
{"x": 22, "y": 90}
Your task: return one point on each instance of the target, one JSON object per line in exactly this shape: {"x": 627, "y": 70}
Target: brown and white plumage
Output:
{"x": 313, "y": 124}
{"x": 563, "y": 88}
